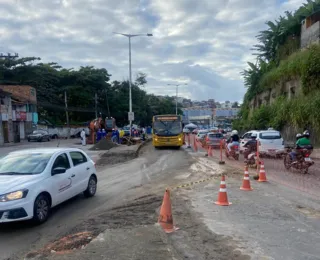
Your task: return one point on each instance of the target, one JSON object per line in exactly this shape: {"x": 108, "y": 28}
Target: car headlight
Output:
{"x": 16, "y": 195}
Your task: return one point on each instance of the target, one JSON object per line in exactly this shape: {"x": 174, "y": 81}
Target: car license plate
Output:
{"x": 307, "y": 159}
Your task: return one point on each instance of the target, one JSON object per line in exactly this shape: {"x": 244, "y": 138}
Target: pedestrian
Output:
{"x": 104, "y": 133}
{"x": 113, "y": 136}
{"x": 117, "y": 135}
{"x": 121, "y": 134}
{"x": 83, "y": 137}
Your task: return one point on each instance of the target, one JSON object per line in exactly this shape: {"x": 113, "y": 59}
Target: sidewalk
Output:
{"x": 270, "y": 222}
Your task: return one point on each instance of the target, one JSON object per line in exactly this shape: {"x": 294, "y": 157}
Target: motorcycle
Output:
{"x": 252, "y": 160}
{"x": 302, "y": 161}
{"x": 234, "y": 153}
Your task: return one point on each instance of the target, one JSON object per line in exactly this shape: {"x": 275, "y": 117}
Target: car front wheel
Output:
{"x": 41, "y": 209}
{"x": 92, "y": 187}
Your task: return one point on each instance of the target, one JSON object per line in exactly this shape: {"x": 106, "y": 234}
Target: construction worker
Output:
{"x": 121, "y": 135}
{"x": 83, "y": 137}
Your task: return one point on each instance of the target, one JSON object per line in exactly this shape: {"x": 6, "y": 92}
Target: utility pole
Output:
{"x": 107, "y": 104}
{"x": 129, "y": 36}
{"x": 96, "y": 104}
{"x": 67, "y": 113}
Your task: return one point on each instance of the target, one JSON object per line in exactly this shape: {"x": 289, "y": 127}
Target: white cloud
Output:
{"x": 204, "y": 43}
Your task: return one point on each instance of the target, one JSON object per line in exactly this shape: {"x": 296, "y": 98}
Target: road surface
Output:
{"x": 271, "y": 222}
{"x": 115, "y": 184}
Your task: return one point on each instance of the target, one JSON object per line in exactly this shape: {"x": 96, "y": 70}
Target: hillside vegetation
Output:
{"x": 279, "y": 60}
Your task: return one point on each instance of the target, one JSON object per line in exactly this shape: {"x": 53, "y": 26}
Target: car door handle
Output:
{"x": 73, "y": 175}
{"x": 88, "y": 168}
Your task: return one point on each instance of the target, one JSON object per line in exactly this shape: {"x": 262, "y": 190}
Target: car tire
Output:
{"x": 41, "y": 209}
{"x": 92, "y": 187}
{"x": 48, "y": 139}
{"x": 28, "y": 140}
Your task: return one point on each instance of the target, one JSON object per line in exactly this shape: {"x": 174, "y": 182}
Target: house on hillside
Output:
{"x": 310, "y": 30}
{"x": 18, "y": 112}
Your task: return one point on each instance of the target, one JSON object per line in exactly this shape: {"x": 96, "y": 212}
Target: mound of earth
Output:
{"x": 103, "y": 144}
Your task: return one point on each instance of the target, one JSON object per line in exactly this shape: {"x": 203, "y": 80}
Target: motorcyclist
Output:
{"x": 302, "y": 142}
{"x": 233, "y": 140}
{"x": 251, "y": 145}
{"x": 293, "y": 153}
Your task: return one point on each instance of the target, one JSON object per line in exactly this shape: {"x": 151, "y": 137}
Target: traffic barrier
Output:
{"x": 246, "y": 181}
{"x": 195, "y": 144}
{"x": 223, "y": 197}
{"x": 262, "y": 173}
{"x": 165, "y": 218}
{"x": 221, "y": 148}
{"x": 210, "y": 154}
{"x": 189, "y": 142}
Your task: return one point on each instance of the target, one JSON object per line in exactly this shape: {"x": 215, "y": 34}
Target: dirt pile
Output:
{"x": 103, "y": 144}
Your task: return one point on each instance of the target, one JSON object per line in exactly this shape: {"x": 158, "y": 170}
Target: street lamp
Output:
{"x": 129, "y": 36}
{"x": 177, "y": 85}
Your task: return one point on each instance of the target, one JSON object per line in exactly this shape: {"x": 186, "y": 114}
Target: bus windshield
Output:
{"x": 167, "y": 128}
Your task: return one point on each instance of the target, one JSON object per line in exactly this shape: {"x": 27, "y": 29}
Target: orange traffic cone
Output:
{"x": 246, "y": 181}
{"x": 262, "y": 173}
{"x": 210, "y": 151}
{"x": 195, "y": 145}
{"x": 165, "y": 217}
{"x": 223, "y": 197}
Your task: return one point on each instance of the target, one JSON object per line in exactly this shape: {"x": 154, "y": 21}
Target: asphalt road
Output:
{"x": 116, "y": 184}
{"x": 308, "y": 183}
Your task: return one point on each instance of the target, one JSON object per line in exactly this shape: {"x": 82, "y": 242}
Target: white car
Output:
{"x": 201, "y": 134}
{"x": 34, "y": 181}
{"x": 271, "y": 141}
{"x": 186, "y": 130}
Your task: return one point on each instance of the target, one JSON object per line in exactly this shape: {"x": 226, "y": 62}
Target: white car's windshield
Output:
{"x": 24, "y": 164}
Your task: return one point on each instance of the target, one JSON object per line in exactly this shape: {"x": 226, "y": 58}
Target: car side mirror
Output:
{"x": 58, "y": 170}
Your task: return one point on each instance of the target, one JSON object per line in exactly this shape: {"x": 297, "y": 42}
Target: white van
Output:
{"x": 271, "y": 141}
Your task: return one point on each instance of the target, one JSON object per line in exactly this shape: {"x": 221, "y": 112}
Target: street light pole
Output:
{"x": 129, "y": 36}
{"x": 130, "y": 86}
{"x": 177, "y": 85}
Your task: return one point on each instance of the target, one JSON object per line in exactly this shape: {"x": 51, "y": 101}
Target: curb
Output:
{"x": 142, "y": 145}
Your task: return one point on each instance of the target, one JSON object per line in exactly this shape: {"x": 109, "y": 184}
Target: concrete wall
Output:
{"x": 289, "y": 89}
{"x": 310, "y": 35}
{"x": 62, "y": 132}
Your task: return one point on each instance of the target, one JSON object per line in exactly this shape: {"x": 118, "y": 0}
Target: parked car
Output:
{"x": 34, "y": 181}
{"x": 195, "y": 131}
{"x": 186, "y": 130}
{"x": 39, "y": 136}
{"x": 271, "y": 142}
{"x": 201, "y": 135}
{"x": 214, "y": 139}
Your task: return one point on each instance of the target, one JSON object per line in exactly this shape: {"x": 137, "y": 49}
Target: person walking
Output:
{"x": 83, "y": 137}
{"x": 121, "y": 134}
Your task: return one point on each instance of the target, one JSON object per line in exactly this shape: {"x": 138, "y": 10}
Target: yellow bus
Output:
{"x": 167, "y": 131}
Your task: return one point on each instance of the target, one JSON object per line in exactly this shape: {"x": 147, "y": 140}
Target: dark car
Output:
{"x": 39, "y": 136}
{"x": 214, "y": 139}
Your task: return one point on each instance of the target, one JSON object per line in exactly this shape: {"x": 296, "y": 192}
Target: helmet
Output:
{"x": 253, "y": 135}
{"x": 306, "y": 133}
{"x": 298, "y": 135}
{"x": 234, "y": 132}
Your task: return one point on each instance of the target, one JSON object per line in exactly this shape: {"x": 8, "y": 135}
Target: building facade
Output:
{"x": 18, "y": 112}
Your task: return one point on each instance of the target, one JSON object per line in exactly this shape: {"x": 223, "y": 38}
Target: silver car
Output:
{"x": 39, "y": 136}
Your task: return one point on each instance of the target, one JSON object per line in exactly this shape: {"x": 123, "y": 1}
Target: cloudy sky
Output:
{"x": 203, "y": 43}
